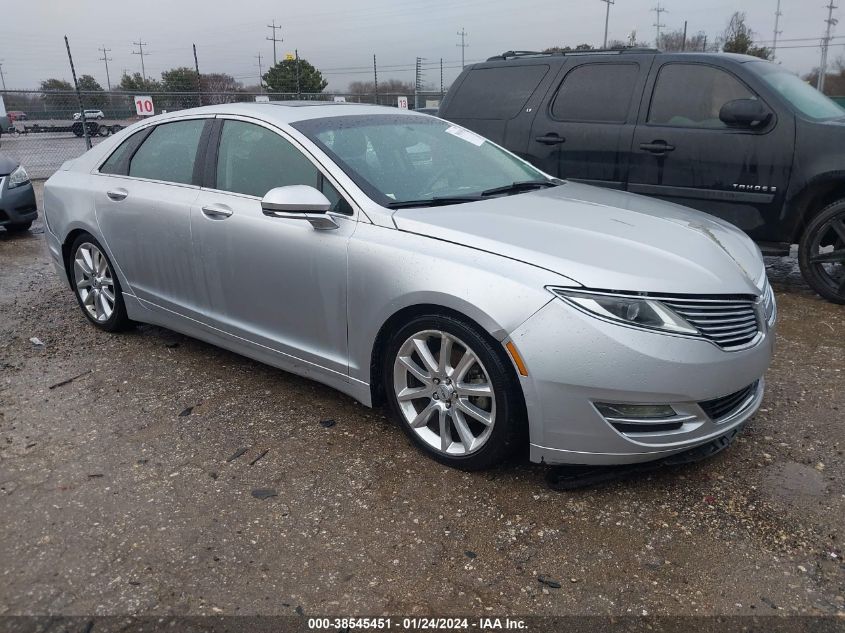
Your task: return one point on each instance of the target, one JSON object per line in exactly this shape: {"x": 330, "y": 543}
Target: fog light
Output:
{"x": 635, "y": 411}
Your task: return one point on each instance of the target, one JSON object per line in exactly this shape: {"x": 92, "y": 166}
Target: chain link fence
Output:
{"x": 42, "y": 130}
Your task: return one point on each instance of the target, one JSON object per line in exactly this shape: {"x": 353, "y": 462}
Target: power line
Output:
{"x": 274, "y": 39}
{"x": 658, "y": 10}
{"x": 105, "y": 58}
{"x": 831, "y": 22}
{"x": 463, "y": 46}
{"x": 141, "y": 52}
{"x": 607, "y": 19}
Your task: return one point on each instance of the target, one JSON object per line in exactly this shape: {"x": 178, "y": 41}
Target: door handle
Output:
{"x": 657, "y": 147}
{"x": 550, "y": 139}
{"x": 217, "y": 210}
{"x": 117, "y": 194}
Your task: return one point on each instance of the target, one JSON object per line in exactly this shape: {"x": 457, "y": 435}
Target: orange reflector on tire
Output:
{"x": 516, "y": 358}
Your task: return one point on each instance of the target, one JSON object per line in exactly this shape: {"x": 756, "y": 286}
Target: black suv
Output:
{"x": 731, "y": 135}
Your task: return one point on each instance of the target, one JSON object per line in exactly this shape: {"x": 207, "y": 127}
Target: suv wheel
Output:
{"x": 821, "y": 253}
{"x": 453, "y": 392}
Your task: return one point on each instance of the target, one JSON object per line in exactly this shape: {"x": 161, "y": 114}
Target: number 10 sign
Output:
{"x": 144, "y": 106}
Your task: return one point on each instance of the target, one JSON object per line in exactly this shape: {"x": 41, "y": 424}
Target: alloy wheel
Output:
{"x": 444, "y": 392}
{"x": 94, "y": 282}
{"x": 827, "y": 254}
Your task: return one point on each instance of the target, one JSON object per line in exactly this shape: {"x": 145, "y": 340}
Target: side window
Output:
{"x": 253, "y": 160}
{"x": 115, "y": 164}
{"x": 499, "y": 92}
{"x": 596, "y": 93}
{"x": 169, "y": 152}
{"x": 691, "y": 95}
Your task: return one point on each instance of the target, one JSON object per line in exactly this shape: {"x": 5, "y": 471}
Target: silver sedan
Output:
{"x": 403, "y": 259}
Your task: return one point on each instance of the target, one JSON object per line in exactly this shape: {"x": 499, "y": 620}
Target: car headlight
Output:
{"x": 642, "y": 312}
{"x": 769, "y": 305}
{"x": 18, "y": 178}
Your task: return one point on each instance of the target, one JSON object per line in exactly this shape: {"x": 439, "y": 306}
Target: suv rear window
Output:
{"x": 496, "y": 93}
{"x": 596, "y": 93}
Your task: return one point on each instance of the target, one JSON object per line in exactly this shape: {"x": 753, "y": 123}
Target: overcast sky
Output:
{"x": 340, "y": 37}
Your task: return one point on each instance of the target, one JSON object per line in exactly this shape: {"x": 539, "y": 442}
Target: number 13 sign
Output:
{"x": 144, "y": 106}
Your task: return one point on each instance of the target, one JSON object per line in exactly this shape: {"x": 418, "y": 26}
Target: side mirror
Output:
{"x": 299, "y": 202}
{"x": 745, "y": 113}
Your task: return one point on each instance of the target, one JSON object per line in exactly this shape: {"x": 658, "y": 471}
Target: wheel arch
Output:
{"x": 814, "y": 197}
{"x": 404, "y": 315}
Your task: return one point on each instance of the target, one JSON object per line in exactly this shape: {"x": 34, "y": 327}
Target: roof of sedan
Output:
{"x": 291, "y": 111}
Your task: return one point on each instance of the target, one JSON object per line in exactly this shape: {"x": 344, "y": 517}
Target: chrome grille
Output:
{"x": 730, "y": 323}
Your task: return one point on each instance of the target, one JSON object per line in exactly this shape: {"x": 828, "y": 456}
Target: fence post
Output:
{"x": 78, "y": 97}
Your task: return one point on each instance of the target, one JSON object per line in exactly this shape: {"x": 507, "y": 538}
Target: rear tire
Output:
{"x": 821, "y": 253}
{"x": 96, "y": 286}
{"x": 464, "y": 408}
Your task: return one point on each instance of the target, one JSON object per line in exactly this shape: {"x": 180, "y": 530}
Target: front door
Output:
{"x": 682, "y": 152}
{"x": 584, "y": 133}
{"x": 275, "y": 282}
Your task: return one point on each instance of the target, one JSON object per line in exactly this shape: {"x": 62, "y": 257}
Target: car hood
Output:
{"x": 602, "y": 239}
{"x": 7, "y": 165}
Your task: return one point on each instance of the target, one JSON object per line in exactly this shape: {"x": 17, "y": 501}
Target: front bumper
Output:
{"x": 575, "y": 360}
{"x": 17, "y": 206}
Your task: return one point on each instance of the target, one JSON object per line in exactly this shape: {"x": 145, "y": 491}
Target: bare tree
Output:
{"x": 671, "y": 41}
{"x": 739, "y": 38}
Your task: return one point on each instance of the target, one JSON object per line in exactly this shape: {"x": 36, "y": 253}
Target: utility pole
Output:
{"x": 831, "y": 22}
{"x": 684, "y": 43}
{"x": 441, "y": 79}
{"x": 375, "y": 78}
{"x": 105, "y": 58}
{"x": 298, "y": 89}
{"x": 274, "y": 39}
{"x": 417, "y": 83}
{"x": 777, "y": 32}
{"x": 658, "y": 10}
{"x": 260, "y": 74}
{"x": 199, "y": 77}
{"x": 607, "y": 19}
{"x": 2, "y": 77}
{"x": 141, "y": 52}
{"x": 463, "y": 46}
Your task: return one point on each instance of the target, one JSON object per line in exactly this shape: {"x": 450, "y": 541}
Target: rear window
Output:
{"x": 596, "y": 93}
{"x": 496, "y": 93}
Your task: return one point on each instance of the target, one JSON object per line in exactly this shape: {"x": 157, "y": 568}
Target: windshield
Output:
{"x": 798, "y": 92}
{"x": 399, "y": 159}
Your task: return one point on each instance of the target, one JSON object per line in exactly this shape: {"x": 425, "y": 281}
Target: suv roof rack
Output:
{"x": 591, "y": 51}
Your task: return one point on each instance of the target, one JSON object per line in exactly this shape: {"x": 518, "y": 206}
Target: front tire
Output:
{"x": 95, "y": 285}
{"x": 19, "y": 228}
{"x": 454, "y": 393}
{"x": 821, "y": 253}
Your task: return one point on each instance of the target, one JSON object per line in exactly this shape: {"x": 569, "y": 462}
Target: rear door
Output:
{"x": 683, "y": 153}
{"x": 583, "y": 130}
{"x": 143, "y": 197}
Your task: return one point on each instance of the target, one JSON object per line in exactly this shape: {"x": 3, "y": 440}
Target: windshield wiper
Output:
{"x": 522, "y": 185}
{"x": 432, "y": 202}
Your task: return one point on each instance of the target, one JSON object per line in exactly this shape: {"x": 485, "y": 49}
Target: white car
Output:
{"x": 89, "y": 115}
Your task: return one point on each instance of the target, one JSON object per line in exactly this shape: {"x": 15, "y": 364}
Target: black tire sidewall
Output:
{"x": 118, "y": 320}
{"x": 808, "y": 270}
{"x": 510, "y": 426}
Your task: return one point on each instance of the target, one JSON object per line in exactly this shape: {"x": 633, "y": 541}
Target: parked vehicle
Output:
{"x": 18, "y": 209}
{"x": 489, "y": 304}
{"x": 732, "y": 135}
{"x": 17, "y": 115}
{"x": 89, "y": 115}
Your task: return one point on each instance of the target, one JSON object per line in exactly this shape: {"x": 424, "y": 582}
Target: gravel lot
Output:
{"x": 120, "y": 492}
